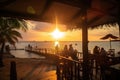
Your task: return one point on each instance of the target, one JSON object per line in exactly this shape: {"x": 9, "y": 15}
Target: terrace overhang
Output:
{"x": 69, "y": 12}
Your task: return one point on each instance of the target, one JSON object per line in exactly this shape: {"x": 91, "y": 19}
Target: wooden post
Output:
{"x": 85, "y": 47}
{"x": 110, "y": 44}
{"x": 13, "y": 73}
{"x": 119, "y": 28}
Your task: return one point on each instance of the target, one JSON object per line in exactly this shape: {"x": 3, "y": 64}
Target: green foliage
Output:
{"x": 9, "y": 29}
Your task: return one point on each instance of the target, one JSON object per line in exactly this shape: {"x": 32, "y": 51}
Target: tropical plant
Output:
{"x": 9, "y": 32}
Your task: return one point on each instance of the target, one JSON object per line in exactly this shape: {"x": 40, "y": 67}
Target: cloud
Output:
{"x": 44, "y": 27}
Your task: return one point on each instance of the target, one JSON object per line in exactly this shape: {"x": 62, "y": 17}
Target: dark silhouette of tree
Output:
{"x": 9, "y": 32}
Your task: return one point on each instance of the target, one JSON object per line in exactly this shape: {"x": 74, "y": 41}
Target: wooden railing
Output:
{"x": 66, "y": 68}
{"x": 49, "y": 51}
{"x": 41, "y": 50}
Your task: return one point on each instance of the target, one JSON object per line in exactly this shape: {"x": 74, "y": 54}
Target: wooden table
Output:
{"x": 116, "y": 67}
{"x": 115, "y": 71}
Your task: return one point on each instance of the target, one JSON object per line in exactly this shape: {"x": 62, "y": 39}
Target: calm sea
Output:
{"x": 49, "y": 44}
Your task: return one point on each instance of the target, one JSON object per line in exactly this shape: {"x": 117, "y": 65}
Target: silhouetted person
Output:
{"x": 72, "y": 52}
{"x": 103, "y": 57}
{"x": 75, "y": 55}
{"x": 103, "y": 52}
{"x": 103, "y": 62}
{"x": 7, "y": 48}
{"x": 65, "y": 51}
{"x": 96, "y": 53}
{"x": 56, "y": 49}
{"x": 29, "y": 46}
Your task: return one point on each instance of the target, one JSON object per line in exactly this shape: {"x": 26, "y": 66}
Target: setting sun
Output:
{"x": 57, "y": 34}
{"x": 56, "y": 43}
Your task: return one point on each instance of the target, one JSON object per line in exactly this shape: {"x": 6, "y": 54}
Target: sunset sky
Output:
{"x": 41, "y": 31}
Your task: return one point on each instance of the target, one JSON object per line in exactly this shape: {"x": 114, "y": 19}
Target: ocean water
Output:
{"x": 50, "y": 44}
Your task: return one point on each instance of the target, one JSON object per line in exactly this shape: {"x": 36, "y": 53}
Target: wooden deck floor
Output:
{"x": 32, "y": 69}
{"x": 29, "y": 69}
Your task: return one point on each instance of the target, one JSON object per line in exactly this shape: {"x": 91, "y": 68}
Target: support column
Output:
{"x": 85, "y": 48}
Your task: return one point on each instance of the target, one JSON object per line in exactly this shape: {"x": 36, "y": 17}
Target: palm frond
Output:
{"x": 15, "y": 38}
{"x": 15, "y": 33}
{"x": 23, "y": 25}
{"x": 10, "y": 40}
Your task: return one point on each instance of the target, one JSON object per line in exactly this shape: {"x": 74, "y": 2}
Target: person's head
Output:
{"x": 70, "y": 45}
{"x": 102, "y": 48}
{"x": 96, "y": 47}
{"x": 65, "y": 45}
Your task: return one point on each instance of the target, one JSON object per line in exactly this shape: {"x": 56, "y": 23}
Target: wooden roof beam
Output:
{"x": 4, "y": 3}
{"x": 75, "y": 3}
{"x": 47, "y": 6}
{"x": 7, "y": 13}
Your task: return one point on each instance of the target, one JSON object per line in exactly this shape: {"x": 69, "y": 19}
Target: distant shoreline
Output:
{"x": 115, "y": 40}
{"x": 65, "y": 41}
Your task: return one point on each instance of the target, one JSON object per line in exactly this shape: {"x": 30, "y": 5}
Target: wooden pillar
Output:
{"x": 119, "y": 18}
{"x": 119, "y": 32}
{"x": 119, "y": 28}
{"x": 85, "y": 47}
{"x": 86, "y": 6}
{"x": 13, "y": 73}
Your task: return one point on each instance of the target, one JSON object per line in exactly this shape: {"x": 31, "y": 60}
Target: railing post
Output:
{"x": 13, "y": 73}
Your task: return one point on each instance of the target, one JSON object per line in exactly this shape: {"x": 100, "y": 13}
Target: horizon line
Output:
{"x": 49, "y": 41}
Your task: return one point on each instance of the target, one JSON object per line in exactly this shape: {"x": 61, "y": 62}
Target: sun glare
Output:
{"x": 57, "y": 34}
{"x": 56, "y": 43}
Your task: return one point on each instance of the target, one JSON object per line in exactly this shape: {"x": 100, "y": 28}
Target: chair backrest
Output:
{"x": 112, "y": 52}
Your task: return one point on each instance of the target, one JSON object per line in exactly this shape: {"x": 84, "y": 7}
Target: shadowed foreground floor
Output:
{"x": 29, "y": 69}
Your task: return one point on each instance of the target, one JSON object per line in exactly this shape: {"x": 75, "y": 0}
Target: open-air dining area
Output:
{"x": 104, "y": 67}
{"x": 66, "y": 68}
{"x": 85, "y": 42}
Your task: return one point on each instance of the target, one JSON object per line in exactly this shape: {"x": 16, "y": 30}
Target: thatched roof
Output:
{"x": 68, "y": 12}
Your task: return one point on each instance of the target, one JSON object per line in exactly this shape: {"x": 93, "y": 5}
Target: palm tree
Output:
{"x": 9, "y": 33}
